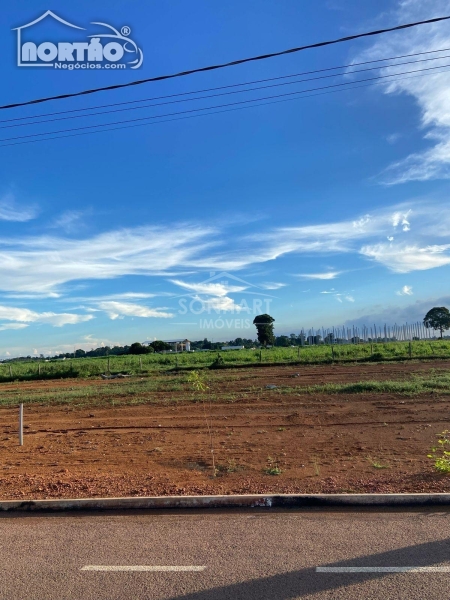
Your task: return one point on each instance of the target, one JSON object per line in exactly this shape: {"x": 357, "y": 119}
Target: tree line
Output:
{"x": 437, "y": 318}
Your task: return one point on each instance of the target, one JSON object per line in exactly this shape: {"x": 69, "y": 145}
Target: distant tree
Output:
{"x": 283, "y": 341}
{"x": 79, "y": 353}
{"x": 437, "y": 318}
{"x": 138, "y": 348}
{"x": 159, "y": 346}
{"x": 264, "y": 328}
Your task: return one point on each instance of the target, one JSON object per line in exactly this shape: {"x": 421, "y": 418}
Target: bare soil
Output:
{"x": 316, "y": 442}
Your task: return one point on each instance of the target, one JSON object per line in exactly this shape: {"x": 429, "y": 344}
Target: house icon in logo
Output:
{"x": 23, "y": 50}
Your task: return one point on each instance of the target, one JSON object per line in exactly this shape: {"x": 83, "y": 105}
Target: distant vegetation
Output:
{"x": 145, "y": 364}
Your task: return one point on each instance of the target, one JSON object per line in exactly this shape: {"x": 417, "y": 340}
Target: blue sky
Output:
{"x": 324, "y": 210}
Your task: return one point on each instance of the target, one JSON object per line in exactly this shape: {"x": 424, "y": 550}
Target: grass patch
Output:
{"x": 162, "y": 389}
{"x": 377, "y": 464}
{"x": 415, "y": 385}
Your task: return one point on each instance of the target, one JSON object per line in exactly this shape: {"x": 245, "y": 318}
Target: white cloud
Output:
{"x": 6, "y": 326}
{"x": 339, "y": 296}
{"x": 399, "y": 218}
{"x": 42, "y": 264}
{"x": 393, "y": 138}
{"x": 404, "y": 258}
{"x": 219, "y": 289}
{"x": 24, "y": 315}
{"x": 68, "y": 221}
{"x": 328, "y": 275}
{"x": 118, "y": 310}
{"x": 405, "y": 291}
{"x": 9, "y": 211}
{"x": 218, "y": 304}
{"x": 113, "y": 297}
{"x": 430, "y": 92}
{"x": 272, "y": 285}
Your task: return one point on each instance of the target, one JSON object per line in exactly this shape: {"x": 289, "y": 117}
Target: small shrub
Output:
{"x": 272, "y": 468}
{"x": 273, "y": 471}
{"x": 440, "y": 455}
{"x": 217, "y": 362}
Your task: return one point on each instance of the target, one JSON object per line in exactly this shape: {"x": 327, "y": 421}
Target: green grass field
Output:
{"x": 177, "y": 388}
{"x": 150, "y": 363}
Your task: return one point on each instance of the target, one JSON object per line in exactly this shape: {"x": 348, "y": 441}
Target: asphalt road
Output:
{"x": 258, "y": 555}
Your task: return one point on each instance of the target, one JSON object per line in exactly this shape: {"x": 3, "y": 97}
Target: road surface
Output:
{"x": 260, "y": 555}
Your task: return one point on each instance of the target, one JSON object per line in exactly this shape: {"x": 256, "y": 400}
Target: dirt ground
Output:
{"x": 265, "y": 440}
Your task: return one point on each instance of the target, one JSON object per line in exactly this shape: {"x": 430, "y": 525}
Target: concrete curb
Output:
{"x": 323, "y": 501}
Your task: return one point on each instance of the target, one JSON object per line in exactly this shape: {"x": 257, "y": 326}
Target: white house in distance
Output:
{"x": 175, "y": 345}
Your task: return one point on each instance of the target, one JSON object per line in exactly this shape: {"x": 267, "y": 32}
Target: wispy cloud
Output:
{"x": 117, "y": 310}
{"x": 25, "y": 315}
{"x": 405, "y": 291}
{"x": 219, "y": 304}
{"x": 327, "y": 275}
{"x": 339, "y": 296}
{"x": 43, "y": 264}
{"x": 6, "y": 326}
{"x": 404, "y": 258}
{"x": 271, "y": 285}
{"x": 407, "y": 237}
{"x": 393, "y": 138}
{"x": 219, "y": 289}
{"x": 430, "y": 92}
{"x": 10, "y": 211}
{"x": 69, "y": 221}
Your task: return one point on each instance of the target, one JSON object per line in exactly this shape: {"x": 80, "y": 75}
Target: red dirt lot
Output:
{"x": 279, "y": 440}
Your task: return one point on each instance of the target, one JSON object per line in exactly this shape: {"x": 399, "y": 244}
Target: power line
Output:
{"x": 228, "y": 64}
{"x": 223, "y": 87}
{"x": 195, "y": 116}
{"x": 125, "y": 125}
{"x": 243, "y": 91}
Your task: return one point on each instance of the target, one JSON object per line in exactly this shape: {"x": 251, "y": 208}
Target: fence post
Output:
{"x": 332, "y": 352}
{"x": 21, "y": 424}
{"x": 39, "y": 369}
{"x": 109, "y": 372}
{"x": 260, "y": 356}
{"x": 140, "y": 363}
{"x": 10, "y": 371}
{"x": 410, "y": 349}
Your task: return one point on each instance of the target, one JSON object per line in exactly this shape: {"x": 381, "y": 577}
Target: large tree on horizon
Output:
{"x": 437, "y": 318}
{"x": 264, "y": 327}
